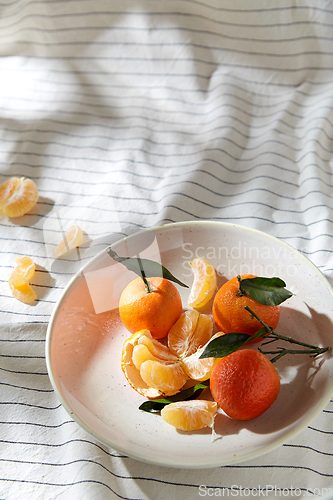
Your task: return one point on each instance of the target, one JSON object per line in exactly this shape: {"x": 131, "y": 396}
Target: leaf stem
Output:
{"x": 240, "y": 292}
{"x": 273, "y": 336}
{"x": 143, "y": 275}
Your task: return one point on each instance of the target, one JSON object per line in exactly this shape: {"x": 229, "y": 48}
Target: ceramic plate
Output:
{"x": 85, "y": 338}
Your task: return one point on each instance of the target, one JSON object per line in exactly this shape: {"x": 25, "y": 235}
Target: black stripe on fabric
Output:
{"x": 136, "y": 478}
{"x": 15, "y": 403}
{"x": 168, "y": 155}
{"x": 46, "y": 426}
{"x": 209, "y": 101}
{"x": 180, "y": 132}
{"x": 150, "y": 118}
{"x": 196, "y": 60}
{"x": 320, "y": 430}
{"x": 204, "y": 5}
{"x": 300, "y": 446}
{"x": 70, "y": 441}
{"x": 291, "y": 467}
{"x": 22, "y": 340}
{"x": 21, "y": 387}
{"x": 178, "y": 123}
{"x": 23, "y": 373}
{"x": 168, "y": 14}
{"x": 172, "y": 185}
{"x": 83, "y": 481}
{"x": 44, "y": 301}
{"x": 160, "y": 143}
{"x": 171, "y": 175}
{"x": 176, "y": 90}
{"x": 172, "y": 29}
{"x": 32, "y": 282}
{"x": 25, "y": 314}
{"x": 200, "y": 202}
{"x": 21, "y": 357}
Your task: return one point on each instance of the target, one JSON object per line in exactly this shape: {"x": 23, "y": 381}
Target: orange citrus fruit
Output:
{"x": 24, "y": 293}
{"x": 244, "y": 384}
{"x": 19, "y": 280}
{"x": 190, "y": 415}
{"x": 204, "y": 284}
{"x": 23, "y": 271}
{"x": 200, "y": 369}
{"x": 165, "y": 377}
{"x": 229, "y": 313}
{"x": 149, "y": 367}
{"x": 191, "y": 331}
{"x": 18, "y": 195}
{"x": 155, "y": 311}
{"x": 72, "y": 239}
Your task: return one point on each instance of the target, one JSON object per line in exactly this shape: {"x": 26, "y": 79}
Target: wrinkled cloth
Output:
{"x": 132, "y": 114}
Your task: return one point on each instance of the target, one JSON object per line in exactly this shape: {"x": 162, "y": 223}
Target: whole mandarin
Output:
{"x": 244, "y": 384}
{"x": 229, "y": 313}
{"x": 155, "y": 311}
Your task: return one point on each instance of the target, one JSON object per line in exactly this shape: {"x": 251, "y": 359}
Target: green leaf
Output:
{"x": 230, "y": 342}
{"x": 267, "y": 291}
{"x": 225, "y": 344}
{"x": 145, "y": 268}
{"x": 156, "y": 405}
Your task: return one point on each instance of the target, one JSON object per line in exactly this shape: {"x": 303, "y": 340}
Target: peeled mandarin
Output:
{"x": 149, "y": 367}
{"x": 18, "y": 195}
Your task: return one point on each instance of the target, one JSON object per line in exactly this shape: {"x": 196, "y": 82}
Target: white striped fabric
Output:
{"x": 129, "y": 114}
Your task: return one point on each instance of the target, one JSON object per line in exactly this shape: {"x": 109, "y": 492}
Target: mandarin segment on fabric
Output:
{"x": 18, "y": 195}
{"x": 73, "y": 238}
{"x": 18, "y": 281}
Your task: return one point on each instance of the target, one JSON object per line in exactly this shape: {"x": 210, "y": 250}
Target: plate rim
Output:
{"x": 162, "y": 462}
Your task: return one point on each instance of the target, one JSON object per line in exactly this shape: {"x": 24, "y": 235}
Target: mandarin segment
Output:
{"x": 23, "y": 271}
{"x": 190, "y": 415}
{"x": 204, "y": 284}
{"x": 153, "y": 372}
{"x": 73, "y": 238}
{"x": 190, "y": 332}
{"x": 167, "y": 378}
{"x": 23, "y": 293}
{"x": 132, "y": 374}
{"x": 141, "y": 354}
{"x": 18, "y": 196}
{"x": 157, "y": 349}
{"x": 200, "y": 369}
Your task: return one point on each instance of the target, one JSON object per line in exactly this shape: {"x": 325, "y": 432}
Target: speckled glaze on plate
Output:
{"x": 85, "y": 338}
